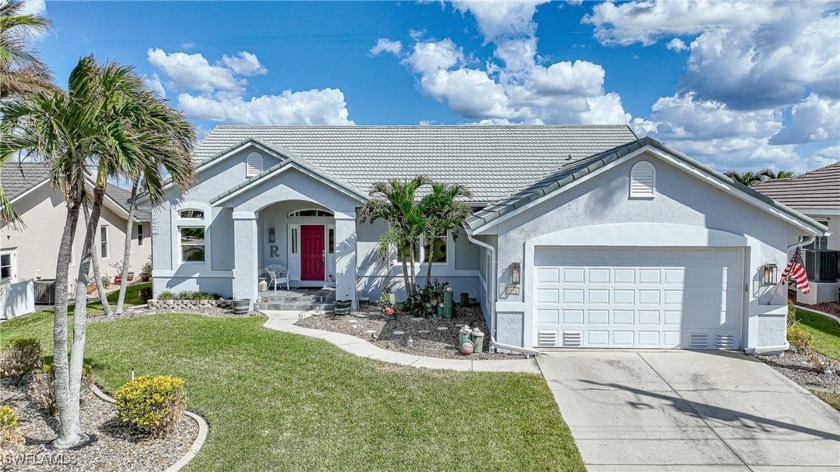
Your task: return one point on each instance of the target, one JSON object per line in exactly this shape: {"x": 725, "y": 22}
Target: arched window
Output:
{"x": 253, "y": 164}
{"x": 643, "y": 180}
{"x": 192, "y": 214}
{"x": 310, "y": 212}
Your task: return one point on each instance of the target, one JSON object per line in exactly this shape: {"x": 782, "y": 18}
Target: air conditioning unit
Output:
{"x": 822, "y": 266}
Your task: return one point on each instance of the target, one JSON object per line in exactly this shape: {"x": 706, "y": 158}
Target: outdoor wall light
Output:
{"x": 515, "y": 273}
{"x": 771, "y": 274}
{"x": 272, "y": 235}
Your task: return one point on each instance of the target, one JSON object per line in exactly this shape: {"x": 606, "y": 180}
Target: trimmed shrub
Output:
{"x": 187, "y": 295}
{"x": 799, "y": 338}
{"x": 106, "y": 282}
{"x": 166, "y": 296}
{"x": 11, "y": 441}
{"x": 146, "y": 294}
{"x": 151, "y": 405}
{"x": 791, "y": 318}
{"x": 20, "y": 358}
{"x": 42, "y": 388}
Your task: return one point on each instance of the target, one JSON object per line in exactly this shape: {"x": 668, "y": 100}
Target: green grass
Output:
{"x": 826, "y": 332}
{"x": 277, "y": 401}
{"x": 832, "y": 398}
{"x": 132, "y": 294}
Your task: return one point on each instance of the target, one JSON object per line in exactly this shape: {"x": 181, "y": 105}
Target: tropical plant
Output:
{"x": 20, "y": 358}
{"x": 752, "y": 178}
{"x": 151, "y": 405}
{"x": 105, "y": 120}
{"x": 426, "y": 300}
{"x": 770, "y": 174}
{"x": 21, "y": 71}
{"x": 395, "y": 202}
{"x": 444, "y": 213}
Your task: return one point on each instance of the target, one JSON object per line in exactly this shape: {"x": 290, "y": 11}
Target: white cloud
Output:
{"x": 826, "y": 156}
{"x": 310, "y": 107}
{"x": 432, "y": 56}
{"x": 153, "y": 83}
{"x": 217, "y": 92}
{"x": 386, "y": 45}
{"x": 501, "y": 17}
{"x": 814, "y": 119}
{"x": 244, "y": 63}
{"x": 676, "y": 44}
{"x": 470, "y": 92}
{"x": 193, "y": 72}
{"x": 33, "y": 7}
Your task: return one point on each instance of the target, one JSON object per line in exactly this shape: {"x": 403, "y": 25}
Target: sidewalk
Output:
{"x": 285, "y": 321}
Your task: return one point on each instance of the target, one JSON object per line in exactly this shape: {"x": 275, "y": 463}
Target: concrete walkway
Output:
{"x": 690, "y": 411}
{"x": 285, "y": 321}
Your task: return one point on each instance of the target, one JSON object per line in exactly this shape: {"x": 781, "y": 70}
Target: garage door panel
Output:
{"x": 639, "y": 297}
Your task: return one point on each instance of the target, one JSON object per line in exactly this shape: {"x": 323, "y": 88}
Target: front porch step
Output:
{"x": 294, "y": 306}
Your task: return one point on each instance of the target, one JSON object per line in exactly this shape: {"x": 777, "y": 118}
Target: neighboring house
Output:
{"x": 584, "y": 236}
{"x": 816, "y": 194}
{"x": 30, "y": 251}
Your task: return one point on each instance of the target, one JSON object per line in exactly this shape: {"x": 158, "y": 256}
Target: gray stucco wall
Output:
{"x": 681, "y": 199}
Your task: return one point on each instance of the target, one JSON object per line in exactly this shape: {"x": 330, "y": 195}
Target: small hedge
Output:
{"x": 151, "y": 405}
{"x": 11, "y": 441}
{"x": 799, "y": 338}
{"x": 20, "y": 358}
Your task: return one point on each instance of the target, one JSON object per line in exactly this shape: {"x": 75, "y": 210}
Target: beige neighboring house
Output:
{"x": 815, "y": 194}
{"x": 30, "y": 252}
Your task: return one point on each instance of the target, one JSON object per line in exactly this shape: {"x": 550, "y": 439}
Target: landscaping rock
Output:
{"x": 796, "y": 367}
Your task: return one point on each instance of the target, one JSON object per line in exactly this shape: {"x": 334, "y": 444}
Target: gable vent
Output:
{"x": 725, "y": 341}
{"x": 643, "y": 180}
{"x": 572, "y": 338}
{"x": 547, "y": 338}
{"x": 253, "y": 164}
{"x": 698, "y": 340}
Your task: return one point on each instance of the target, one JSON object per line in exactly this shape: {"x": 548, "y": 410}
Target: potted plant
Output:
{"x": 145, "y": 271}
{"x": 130, "y": 275}
{"x": 241, "y": 306}
{"x": 342, "y": 307}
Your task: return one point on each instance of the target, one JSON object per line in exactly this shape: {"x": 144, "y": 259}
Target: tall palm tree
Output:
{"x": 104, "y": 120}
{"x": 445, "y": 213}
{"x": 21, "y": 71}
{"x": 770, "y": 174}
{"x": 396, "y": 202}
{"x": 746, "y": 178}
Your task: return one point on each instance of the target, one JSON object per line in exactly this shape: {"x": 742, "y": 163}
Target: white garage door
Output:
{"x": 687, "y": 298}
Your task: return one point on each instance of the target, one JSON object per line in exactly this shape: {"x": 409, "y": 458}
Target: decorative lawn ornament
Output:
{"x": 467, "y": 348}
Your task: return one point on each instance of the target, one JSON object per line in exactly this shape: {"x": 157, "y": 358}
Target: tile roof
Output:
{"x": 16, "y": 178}
{"x": 14, "y": 185}
{"x": 494, "y": 162}
{"x": 576, "y": 170}
{"x": 818, "y": 189}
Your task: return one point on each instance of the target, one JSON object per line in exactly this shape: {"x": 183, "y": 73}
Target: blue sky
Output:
{"x": 739, "y": 85}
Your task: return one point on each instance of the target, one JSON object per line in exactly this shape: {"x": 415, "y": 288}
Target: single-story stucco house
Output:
{"x": 583, "y": 236}
{"x": 29, "y": 251}
{"x": 816, "y": 194}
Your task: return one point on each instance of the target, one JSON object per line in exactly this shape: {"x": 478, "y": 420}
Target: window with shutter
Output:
{"x": 253, "y": 164}
{"x": 643, "y": 180}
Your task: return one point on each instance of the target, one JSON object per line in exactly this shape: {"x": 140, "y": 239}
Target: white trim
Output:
{"x": 34, "y": 188}
{"x": 177, "y": 222}
{"x": 141, "y": 234}
{"x": 12, "y": 253}
{"x": 288, "y": 164}
{"x": 818, "y": 212}
{"x": 330, "y": 215}
{"x": 106, "y": 242}
{"x": 694, "y": 171}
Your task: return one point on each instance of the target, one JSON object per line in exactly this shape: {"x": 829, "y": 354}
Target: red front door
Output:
{"x": 312, "y": 252}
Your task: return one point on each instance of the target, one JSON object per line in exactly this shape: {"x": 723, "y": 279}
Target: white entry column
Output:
{"x": 245, "y": 255}
{"x": 345, "y": 256}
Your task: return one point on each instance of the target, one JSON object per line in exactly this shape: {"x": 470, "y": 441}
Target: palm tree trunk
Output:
{"x": 412, "y": 274}
{"x": 97, "y": 276}
{"x": 70, "y": 429}
{"x": 429, "y": 263}
{"x": 127, "y": 249}
{"x": 406, "y": 279}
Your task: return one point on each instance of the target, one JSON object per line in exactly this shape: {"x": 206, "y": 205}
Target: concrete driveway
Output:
{"x": 689, "y": 411}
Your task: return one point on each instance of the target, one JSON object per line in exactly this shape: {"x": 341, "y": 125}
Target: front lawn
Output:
{"x": 277, "y": 401}
{"x": 832, "y": 398}
{"x": 826, "y": 332}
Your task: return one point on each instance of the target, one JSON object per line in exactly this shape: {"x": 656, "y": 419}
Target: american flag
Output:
{"x": 796, "y": 270}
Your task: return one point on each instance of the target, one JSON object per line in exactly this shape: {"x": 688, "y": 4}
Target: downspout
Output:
{"x": 492, "y": 299}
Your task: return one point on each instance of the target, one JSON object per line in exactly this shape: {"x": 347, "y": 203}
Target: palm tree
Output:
{"x": 769, "y": 174}
{"x": 395, "y": 202}
{"x": 444, "y": 214}
{"x": 21, "y": 71}
{"x": 105, "y": 120}
{"x": 746, "y": 178}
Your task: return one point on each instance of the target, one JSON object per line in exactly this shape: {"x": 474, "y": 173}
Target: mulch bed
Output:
{"x": 108, "y": 447}
{"x": 796, "y": 367}
{"x": 832, "y": 308}
{"x": 427, "y": 339}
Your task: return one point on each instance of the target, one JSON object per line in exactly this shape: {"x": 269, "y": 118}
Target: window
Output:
{"x": 294, "y": 240}
{"x": 103, "y": 242}
{"x": 438, "y": 250}
{"x": 310, "y": 212}
{"x": 192, "y": 244}
{"x": 821, "y": 242}
{"x": 331, "y": 240}
{"x": 643, "y": 180}
{"x": 192, "y": 214}
{"x": 253, "y": 164}
{"x": 140, "y": 234}
{"x": 6, "y": 266}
